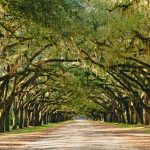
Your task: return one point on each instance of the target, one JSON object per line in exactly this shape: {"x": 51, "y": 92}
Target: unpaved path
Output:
{"x": 80, "y": 135}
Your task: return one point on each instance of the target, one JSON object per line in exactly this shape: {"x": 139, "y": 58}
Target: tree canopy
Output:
{"x": 61, "y": 58}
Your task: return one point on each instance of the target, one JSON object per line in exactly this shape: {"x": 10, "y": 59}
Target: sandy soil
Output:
{"x": 80, "y": 135}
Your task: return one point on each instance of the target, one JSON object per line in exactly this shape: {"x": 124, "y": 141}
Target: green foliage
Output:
{"x": 56, "y": 14}
{"x": 91, "y": 57}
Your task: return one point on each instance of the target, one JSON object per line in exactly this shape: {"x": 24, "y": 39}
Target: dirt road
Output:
{"x": 80, "y": 135}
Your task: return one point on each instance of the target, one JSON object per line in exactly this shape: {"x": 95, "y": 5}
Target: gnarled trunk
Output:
{"x": 2, "y": 121}
{"x": 21, "y": 118}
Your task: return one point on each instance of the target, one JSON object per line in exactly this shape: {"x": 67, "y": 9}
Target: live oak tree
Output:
{"x": 115, "y": 44}
{"x": 60, "y": 57}
{"x": 30, "y": 54}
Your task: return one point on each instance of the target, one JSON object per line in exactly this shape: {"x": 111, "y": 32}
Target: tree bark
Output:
{"x": 7, "y": 120}
{"x": 21, "y": 118}
{"x": 2, "y": 121}
{"x": 126, "y": 104}
{"x": 26, "y": 118}
{"x": 146, "y": 117}
{"x": 15, "y": 119}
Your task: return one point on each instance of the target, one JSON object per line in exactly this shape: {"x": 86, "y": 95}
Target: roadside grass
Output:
{"x": 138, "y": 127}
{"x": 38, "y": 128}
{"x": 123, "y": 125}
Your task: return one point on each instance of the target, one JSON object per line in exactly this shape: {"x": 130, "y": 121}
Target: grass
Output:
{"x": 123, "y": 125}
{"x": 138, "y": 127}
{"x": 38, "y": 128}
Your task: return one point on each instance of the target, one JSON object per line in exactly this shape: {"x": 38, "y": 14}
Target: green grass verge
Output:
{"x": 138, "y": 127}
{"x": 38, "y": 128}
{"x": 123, "y": 125}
